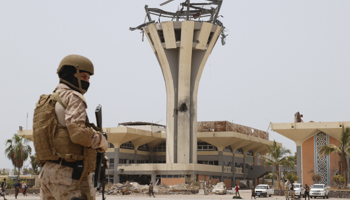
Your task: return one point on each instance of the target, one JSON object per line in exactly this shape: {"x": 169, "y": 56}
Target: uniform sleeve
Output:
{"x": 76, "y": 113}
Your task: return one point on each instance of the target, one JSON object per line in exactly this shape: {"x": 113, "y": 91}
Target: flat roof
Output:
{"x": 122, "y": 134}
{"x": 300, "y": 131}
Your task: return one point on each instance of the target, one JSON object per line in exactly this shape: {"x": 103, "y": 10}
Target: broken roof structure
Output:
{"x": 188, "y": 11}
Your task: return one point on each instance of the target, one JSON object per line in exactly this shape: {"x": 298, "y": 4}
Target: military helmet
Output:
{"x": 79, "y": 62}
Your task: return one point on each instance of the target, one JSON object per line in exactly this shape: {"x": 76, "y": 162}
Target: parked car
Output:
{"x": 264, "y": 190}
{"x": 220, "y": 188}
{"x": 319, "y": 190}
{"x": 299, "y": 190}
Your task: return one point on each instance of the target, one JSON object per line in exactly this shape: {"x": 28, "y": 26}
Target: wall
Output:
{"x": 308, "y": 160}
{"x": 214, "y": 181}
{"x": 228, "y": 183}
{"x": 173, "y": 181}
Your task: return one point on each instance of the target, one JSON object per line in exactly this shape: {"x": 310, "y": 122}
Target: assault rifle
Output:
{"x": 100, "y": 171}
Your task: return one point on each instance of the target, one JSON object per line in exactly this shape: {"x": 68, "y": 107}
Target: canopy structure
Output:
{"x": 298, "y": 132}
{"x": 222, "y": 134}
{"x": 309, "y": 138}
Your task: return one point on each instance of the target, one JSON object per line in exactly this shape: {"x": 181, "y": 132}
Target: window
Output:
{"x": 239, "y": 151}
{"x": 110, "y": 145}
{"x": 239, "y": 165}
{"x": 142, "y": 161}
{"x": 111, "y": 163}
{"x": 249, "y": 153}
{"x": 123, "y": 161}
{"x": 203, "y": 146}
{"x": 228, "y": 149}
{"x": 160, "y": 148}
{"x": 208, "y": 162}
{"x": 127, "y": 145}
{"x": 144, "y": 147}
{"x": 158, "y": 161}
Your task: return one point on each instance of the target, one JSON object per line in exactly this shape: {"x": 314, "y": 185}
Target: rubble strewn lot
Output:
{"x": 130, "y": 188}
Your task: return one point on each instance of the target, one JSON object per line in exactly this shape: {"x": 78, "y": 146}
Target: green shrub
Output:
{"x": 292, "y": 177}
{"x": 339, "y": 180}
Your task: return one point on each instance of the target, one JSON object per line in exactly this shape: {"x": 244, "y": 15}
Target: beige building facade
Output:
{"x": 309, "y": 138}
{"x": 225, "y": 151}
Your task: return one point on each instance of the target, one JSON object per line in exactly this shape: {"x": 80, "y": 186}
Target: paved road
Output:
{"x": 166, "y": 197}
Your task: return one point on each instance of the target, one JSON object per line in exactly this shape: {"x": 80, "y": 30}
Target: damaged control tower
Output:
{"x": 182, "y": 46}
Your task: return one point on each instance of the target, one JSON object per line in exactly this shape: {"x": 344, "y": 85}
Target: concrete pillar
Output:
{"x": 135, "y": 156}
{"x": 221, "y": 163}
{"x": 233, "y": 168}
{"x": 182, "y": 68}
{"x": 153, "y": 177}
{"x": 193, "y": 176}
{"x": 299, "y": 170}
{"x": 116, "y": 163}
{"x": 243, "y": 169}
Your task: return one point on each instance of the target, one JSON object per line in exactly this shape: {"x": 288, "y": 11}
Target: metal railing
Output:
{"x": 227, "y": 169}
{"x": 239, "y": 170}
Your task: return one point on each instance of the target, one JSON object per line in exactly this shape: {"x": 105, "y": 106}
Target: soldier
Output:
{"x": 307, "y": 191}
{"x": 292, "y": 191}
{"x": 3, "y": 188}
{"x": 150, "y": 190}
{"x": 286, "y": 190}
{"x": 64, "y": 141}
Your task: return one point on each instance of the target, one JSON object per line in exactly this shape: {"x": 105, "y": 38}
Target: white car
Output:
{"x": 263, "y": 190}
{"x": 299, "y": 190}
{"x": 319, "y": 190}
{"x": 220, "y": 188}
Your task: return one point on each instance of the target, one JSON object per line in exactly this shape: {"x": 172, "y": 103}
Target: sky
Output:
{"x": 280, "y": 57}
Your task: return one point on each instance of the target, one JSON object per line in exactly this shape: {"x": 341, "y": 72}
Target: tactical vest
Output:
{"x": 52, "y": 140}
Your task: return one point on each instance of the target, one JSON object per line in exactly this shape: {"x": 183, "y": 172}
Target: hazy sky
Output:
{"x": 280, "y": 57}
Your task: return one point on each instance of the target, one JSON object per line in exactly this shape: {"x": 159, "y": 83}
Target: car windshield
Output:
{"x": 296, "y": 186}
{"x": 317, "y": 186}
{"x": 219, "y": 186}
{"x": 261, "y": 187}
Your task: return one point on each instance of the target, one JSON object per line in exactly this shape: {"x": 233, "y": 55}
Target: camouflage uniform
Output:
{"x": 286, "y": 190}
{"x": 56, "y": 180}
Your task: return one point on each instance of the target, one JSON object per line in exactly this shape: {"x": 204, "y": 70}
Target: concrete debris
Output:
{"x": 135, "y": 188}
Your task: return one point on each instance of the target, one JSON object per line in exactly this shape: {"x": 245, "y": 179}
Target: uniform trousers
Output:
{"x": 57, "y": 183}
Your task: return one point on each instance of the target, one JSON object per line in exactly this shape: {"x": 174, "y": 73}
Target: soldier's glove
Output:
{"x": 103, "y": 143}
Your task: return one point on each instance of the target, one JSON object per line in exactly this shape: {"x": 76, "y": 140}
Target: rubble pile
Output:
{"x": 135, "y": 188}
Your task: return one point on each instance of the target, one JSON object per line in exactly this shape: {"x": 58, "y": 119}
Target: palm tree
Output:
{"x": 342, "y": 150}
{"x": 18, "y": 151}
{"x": 276, "y": 156}
{"x": 35, "y": 164}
